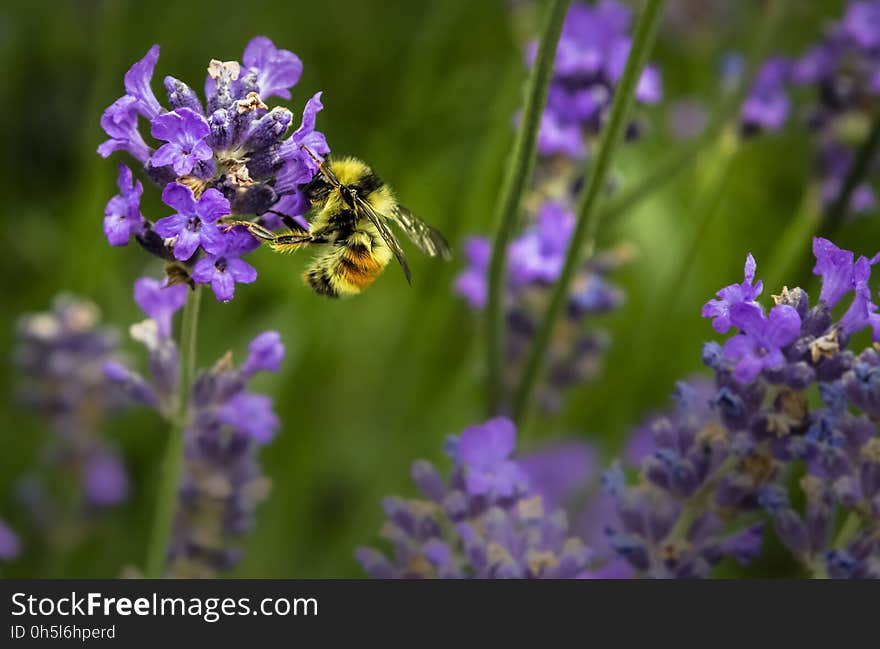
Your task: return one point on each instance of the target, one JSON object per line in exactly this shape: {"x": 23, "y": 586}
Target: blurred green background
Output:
{"x": 425, "y": 91}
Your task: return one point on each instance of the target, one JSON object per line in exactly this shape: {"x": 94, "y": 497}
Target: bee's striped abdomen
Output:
{"x": 349, "y": 267}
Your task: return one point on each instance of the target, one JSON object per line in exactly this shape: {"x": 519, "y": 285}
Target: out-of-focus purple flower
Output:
{"x": 184, "y": 132}
{"x": 862, "y": 23}
{"x": 277, "y": 70}
{"x": 767, "y": 105}
{"x": 557, "y": 472}
{"x": 590, "y": 58}
{"x": 471, "y": 283}
{"x": 557, "y": 137}
{"x": 747, "y": 291}
{"x": 456, "y": 533}
{"x": 122, "y": 216}
{"x": 222, "y": 482}
{"x": 160, "y": 301}
{"x": 60, "y": 355}
{"x": 10, "y": 547}
{"x": 540, "y": 253}
{"x": 251, "y": 414}
{"x": 265, "y": 353}
{"x": 105, "y": 480}
{"x": 194, "y": 224}
{"x": 484, "y": 451}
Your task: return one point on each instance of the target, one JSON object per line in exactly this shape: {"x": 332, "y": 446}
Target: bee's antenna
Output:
{"x": 322, "y": 166}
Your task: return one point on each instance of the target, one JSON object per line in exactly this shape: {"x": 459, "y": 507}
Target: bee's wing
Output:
{"x": 387, "y": 235}
{"x": 428, "y": 239}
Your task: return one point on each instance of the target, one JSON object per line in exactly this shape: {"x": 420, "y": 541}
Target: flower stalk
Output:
{"x": 587, "y": 215}
{"x": 169, "y": 471}
{"x": 519, "y": 170}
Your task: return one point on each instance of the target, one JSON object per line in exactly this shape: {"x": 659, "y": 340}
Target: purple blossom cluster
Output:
{"x": 535, "y": 261}
{"x": 590, "y": 59}
{"x": 788, "y": 398}
{"x": 226, "y": 424}
{"x": 840, "y": 75}
{"x": 59, "y": 355}
{"x": 485, "y": 521}
{"x": 225, "y": 157}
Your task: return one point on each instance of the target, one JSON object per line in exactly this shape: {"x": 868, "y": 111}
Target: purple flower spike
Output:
{"x": 485, "y": 451}
{"x": 195, "y": 222}
{"x": 767, "y": 105}
{"x": 184, "y": 132}
{"x": 471, "y": 283}
{"x": 719, "y": 310}
{"x": 252, "y": 415}
{"x": 265, "y": 353}
{"x": 120, "y": 122}
{"x": 10, "y": 547}
{"x": 160, "y": 301}
{"x": 137, "y": 84}
{"x": 224, "y": 270}
{"x": 277, "y": 70}
{"x": 760, "y": 344}
{"x": 122, "y": 216}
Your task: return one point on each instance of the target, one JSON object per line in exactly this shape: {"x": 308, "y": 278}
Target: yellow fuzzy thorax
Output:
{"x": 349, "y": 170}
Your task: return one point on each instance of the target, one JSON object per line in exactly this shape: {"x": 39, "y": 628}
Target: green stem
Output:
{"x": 169, "y": 471}
{"x": 517, "y": 175}
{"x": 587, "y": 222}
{"x": 696, "y": 504}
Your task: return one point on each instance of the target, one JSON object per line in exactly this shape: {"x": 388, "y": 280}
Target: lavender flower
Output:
{"x": 535, "y": 261}
{"x": 10, "y": 547}
{"x": 225, "y": 268}
{"x": 771, "y": 423}
{"x": 184, "y": 132}
{"x": 225, "y": 157}
{"x": 767, "y": 106}
{"x": 839, "y": 75}
{"x": 122, "y": 216}
{"x": 59, "y": 355}
{"x": 222, "y": 483}
{"x": 589, "y": 62}
{"x": 590, "y": 58}
{"x": 476, "y": 524}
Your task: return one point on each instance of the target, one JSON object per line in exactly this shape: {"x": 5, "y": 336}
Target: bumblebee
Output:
{"x": 350, "y": 225}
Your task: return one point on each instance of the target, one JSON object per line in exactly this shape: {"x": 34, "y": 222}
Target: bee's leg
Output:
{"x": 288, "y": 220}
{"x": 254, "y": 228}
